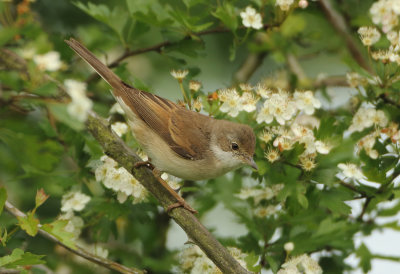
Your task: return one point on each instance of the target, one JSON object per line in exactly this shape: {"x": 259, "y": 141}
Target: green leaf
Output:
{"x": 47, "y": 89}
{"x": 251, "y": 262}
{"x": 3, "y": 198}
{"x": 302, "y": 200}
{"x": 6, "y": 34}
{"x": 365, "y": 258}
{"x": 333, "y": 200}
{"x": 226, "y": 13}
{"x": 29, "y": 224}
{"x": 272, "y": 263}
{"x": 19, "y": 258}
{"x": 57, "y": 229}
{"x": 293, "y": 25}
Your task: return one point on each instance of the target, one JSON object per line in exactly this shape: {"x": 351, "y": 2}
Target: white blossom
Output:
{"x": 322, "y": 148}
{"x": 289, "y": 246}
{"x": 284, "y": 4}
{"x": 369, "y": 35}
{"x": 74, "y": 201}
{"x": 179, "y": 74}
{"x": 248, "y": 102}
{"x": 119, "y": 128}
{"x": 351, "y": 171}
{"x": 79, "y": 109}
{"x": 231, "y": 102}
{"x": 49, "y": 61}
{"x": 306, "y": 101}
{"x": 251, "y": 18}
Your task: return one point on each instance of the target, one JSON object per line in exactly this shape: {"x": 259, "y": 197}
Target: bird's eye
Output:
{"x": 235, "y": 146}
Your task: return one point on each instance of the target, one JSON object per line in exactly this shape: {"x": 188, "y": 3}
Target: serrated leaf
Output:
{"x": 20, "y": 258}
{"x": 3, "y": 198}
{"x": 57, "y": 229}
{"x": 29, "y": 224}
{"x": 251, "y": 261}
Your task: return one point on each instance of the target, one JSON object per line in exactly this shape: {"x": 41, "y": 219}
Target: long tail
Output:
{"x": 107, "y": 74}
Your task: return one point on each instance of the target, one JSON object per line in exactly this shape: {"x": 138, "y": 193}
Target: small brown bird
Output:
{"x": 178, "y": 141}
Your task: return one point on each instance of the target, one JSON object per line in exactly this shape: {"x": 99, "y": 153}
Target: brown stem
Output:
{"x": 364, "y": 209}
{"x": 339, "y": 23}
{"x": 78, "y": 251}
{"x": 115, "y": 148}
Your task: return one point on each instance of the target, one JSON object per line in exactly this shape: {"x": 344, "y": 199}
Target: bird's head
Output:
{"x": 234, "y": 144}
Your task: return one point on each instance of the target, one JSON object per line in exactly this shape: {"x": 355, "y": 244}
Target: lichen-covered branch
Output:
{"x": 78, "y": 251}
{"x": 115, "y": 148}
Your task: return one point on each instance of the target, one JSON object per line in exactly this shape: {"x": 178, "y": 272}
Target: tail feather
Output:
{"x": 107, "y": 74}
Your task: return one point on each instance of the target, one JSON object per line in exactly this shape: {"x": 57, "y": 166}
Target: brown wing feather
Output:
{"x": 176, "y": 125}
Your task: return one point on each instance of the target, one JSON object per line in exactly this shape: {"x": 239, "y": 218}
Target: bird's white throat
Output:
{"x": 225, "y": 160}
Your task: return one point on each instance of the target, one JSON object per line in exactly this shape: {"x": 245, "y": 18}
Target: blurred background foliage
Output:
{"x": 42, "y": 146}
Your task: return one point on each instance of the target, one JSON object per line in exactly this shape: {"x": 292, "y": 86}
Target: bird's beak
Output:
{"x": 250, "y": 162}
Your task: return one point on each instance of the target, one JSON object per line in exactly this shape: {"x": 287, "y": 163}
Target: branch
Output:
{"x": 115, "y": 148}
{"x": 78, "y": 251}
{"x": 364, "y": 209}
{"x": 353, "y": 188}
{"x": 160, "y": 46}
{"x": 249, "y": 66}
{"x": 338, "y": 22}
{"x": 389, "y": 101}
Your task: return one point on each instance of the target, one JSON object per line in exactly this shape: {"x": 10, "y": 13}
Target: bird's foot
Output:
{"x": 144, "y": 164}
{"x": 183, "y": 204}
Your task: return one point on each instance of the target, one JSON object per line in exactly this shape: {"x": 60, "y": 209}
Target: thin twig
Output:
{"x": 115, "y": 148}
{"x": 78, "y": 251}
{"x": 339, "y": 23}
{"x": 364, "y": 209}
{"x": 353, "y": 188}
{"x": 160, "y": 46}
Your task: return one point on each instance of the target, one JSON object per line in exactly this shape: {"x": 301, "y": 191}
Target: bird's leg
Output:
{"x": 180, "y": 201}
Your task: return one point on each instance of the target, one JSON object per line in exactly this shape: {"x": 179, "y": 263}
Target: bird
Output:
{"x": 178, "y": 141}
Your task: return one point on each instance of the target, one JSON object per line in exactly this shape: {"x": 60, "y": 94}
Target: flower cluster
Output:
{"x": 367, "y": 117}
{"x": 70, "y": 202}
{"x": 283, "y": 138}
{"x": 300, "y": 264}
{"x": 193, "y": 260}
{"x": 279, "y": 105}
{"x": 385, "y": 13}
{"x": 233, "y": 103}
{"x": 282, "y": 107}
{"x": 119, "y": 180}
{"x": 80, "y": 104}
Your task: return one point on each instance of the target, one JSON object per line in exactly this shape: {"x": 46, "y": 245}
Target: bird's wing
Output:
{"x": 180, "y": 128}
